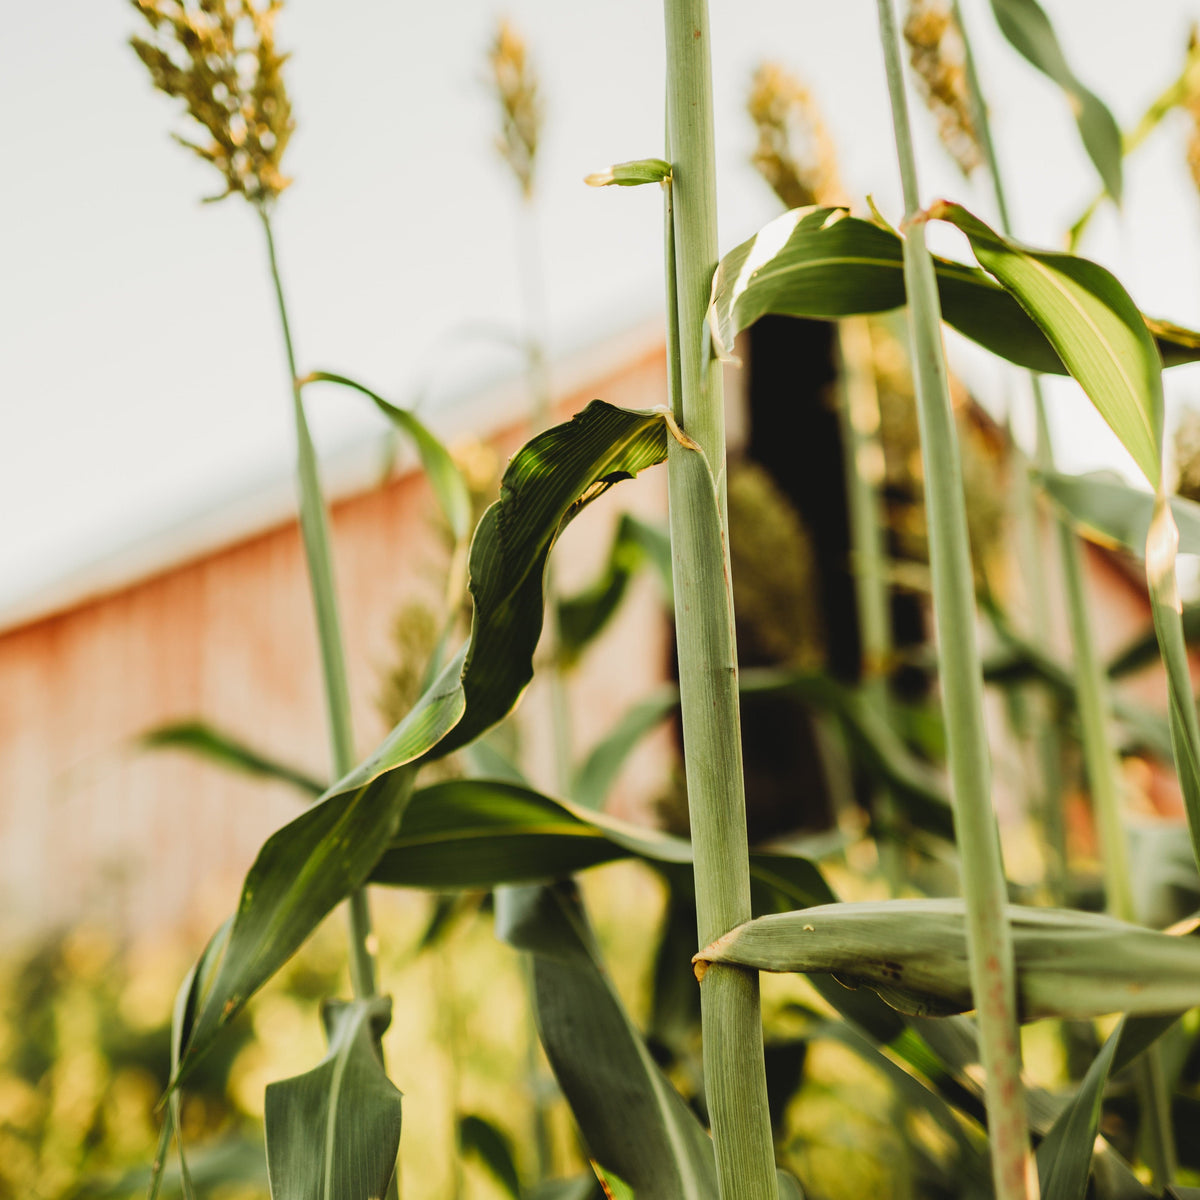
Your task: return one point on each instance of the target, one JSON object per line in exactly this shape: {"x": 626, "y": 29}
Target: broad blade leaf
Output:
{"x": 632, "y": 1119}
{"x": 1092, "y": 324}
{"x": 824, "y": 264}
{"x": 1029, "y": 31}
{"x": 1107, "y": 509}
{"x": 203, "y": 740}
{"x": 914, "y": 954}
{"x": 481, "y": 833}
{"x": 333, "y": 1133}
{"x": 319, "y": 859}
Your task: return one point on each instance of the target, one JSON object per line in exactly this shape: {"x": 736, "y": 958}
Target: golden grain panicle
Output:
{"x": 938, "y": 56}
{"x": 795, "y": 153}
{"x": 521, "y": 109}
{"x": 219, "y": 57}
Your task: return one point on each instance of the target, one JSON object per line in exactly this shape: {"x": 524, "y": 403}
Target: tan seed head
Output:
{"x": 219, "y": 57}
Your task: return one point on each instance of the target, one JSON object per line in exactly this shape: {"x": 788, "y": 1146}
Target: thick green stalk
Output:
{"x": 734, "y": 1072}
{"x": 989, "y": 939}
{"x": 315, "y": 530}
{"x": 1092, "y": 700}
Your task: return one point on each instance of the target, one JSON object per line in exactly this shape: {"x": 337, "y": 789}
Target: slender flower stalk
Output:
{"x": 734, "y": 1072}
{"x": 522, "y": 112}
{"x": 1101, "y": 763}
{"x": 989, "y": 938}
{"x": 221, "y": 60}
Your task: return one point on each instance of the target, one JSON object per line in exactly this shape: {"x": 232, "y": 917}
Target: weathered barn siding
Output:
{"x": 90, "y": 826}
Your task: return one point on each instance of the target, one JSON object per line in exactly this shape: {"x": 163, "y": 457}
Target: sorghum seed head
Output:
{"x": 219, "y": 58}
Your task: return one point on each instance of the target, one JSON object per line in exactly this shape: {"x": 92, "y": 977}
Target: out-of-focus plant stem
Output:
{"x": 731, "y": 1020}
{"x": 1091, "y": 694}
{"x": 989, "y": 938}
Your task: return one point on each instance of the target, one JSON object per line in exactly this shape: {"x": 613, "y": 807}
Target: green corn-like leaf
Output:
{"x": 333, "y": 1133}
{"x": 479, "y": 833}
{"x": 1093, "y": 326}
{"x": 474, "y": 833}
{"x": 602, "y": 766}
{"x": 328, "y": 852}
{"x": 581, "y": 618}
{"x": 824, "y": 264}
{"x": 632, "y": 1119}
{"x": 1107, "y": 509}
{"x": 1029, "y": 31}
{"x": 914, "y": 954}
{"x": 491, "y": 1145}
{"x": 449, "y": 486}
{"x": 203, "y": 740}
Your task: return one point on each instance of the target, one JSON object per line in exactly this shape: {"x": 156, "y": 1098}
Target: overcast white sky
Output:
{"x": 142, "y": 370}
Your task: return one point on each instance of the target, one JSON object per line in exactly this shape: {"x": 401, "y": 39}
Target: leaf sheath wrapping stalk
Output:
{"x": 914, "y": 954}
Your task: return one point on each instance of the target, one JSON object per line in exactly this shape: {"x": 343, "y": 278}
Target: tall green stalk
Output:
{"x": 734, "y": 1072}
{"x": 1092, "y": 699}
{"x": 315, "y": 531}
{"x": 989, "y": 938}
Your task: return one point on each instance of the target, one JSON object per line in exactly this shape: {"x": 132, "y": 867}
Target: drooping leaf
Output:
{"x": 301, "y": 873}
{"x": 1028, "y": 29}
{"x": 449, "y": 486}
{"x": 582, "y": 617}
{"x": 824, "y": 264}
{"x": 491, "y": 1145}
{"x": 327, "y": 853}
{"x": 914, "y": 954}
{"x": 632, "y": 1119}
{"x": 1092, "y": 324}
{"x": 333, "y": 1133}
{"x": 1107, "y": 509}
{"x": 203, "y": 740}
{"x": 602, "y": 766}
{"x": 479, "y": 833}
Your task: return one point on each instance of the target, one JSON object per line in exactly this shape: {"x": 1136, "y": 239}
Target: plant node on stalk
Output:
{"x": 938, "y": 56}
{"x": 219, "y": 57}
